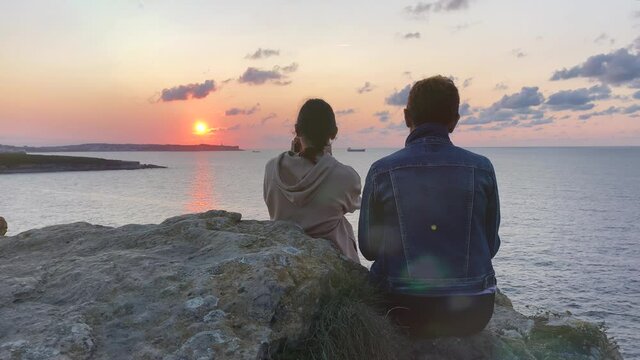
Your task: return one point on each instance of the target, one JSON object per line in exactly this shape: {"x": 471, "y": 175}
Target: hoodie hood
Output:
{"x": 299, "y": 179}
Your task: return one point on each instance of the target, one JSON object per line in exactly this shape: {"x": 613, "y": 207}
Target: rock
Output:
{"x": 210, "y": 286}
{"x": 3, "y": 226}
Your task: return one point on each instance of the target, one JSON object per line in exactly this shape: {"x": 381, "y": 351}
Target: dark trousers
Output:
{"x": 441, "y": 316}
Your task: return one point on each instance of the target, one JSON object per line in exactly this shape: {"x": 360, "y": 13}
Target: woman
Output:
{"x": 308, "y": 186}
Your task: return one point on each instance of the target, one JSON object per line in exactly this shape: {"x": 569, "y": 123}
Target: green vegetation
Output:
{"x": 350, "y": 324}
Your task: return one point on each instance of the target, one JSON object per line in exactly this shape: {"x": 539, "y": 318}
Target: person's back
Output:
{"x": 430, "y": 218}
{"x": 310, "y": 187}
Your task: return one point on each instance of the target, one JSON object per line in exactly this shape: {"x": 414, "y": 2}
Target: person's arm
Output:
{"x": 369, "y": 226}
{"x": 493, "y": 217}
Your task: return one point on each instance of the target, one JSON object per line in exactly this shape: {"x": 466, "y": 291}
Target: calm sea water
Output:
{"x": 570, "y": 216}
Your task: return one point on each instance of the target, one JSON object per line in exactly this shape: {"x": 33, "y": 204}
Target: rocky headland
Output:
{"x": 211, "y": 286}
{"x": 17, "y": 163}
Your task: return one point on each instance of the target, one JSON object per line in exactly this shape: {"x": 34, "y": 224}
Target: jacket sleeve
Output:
{"x": 369, "y": 226}
{"x": 493, "y": 217}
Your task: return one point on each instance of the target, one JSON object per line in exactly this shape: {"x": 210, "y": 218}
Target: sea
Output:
{"x": 570, "y": 216}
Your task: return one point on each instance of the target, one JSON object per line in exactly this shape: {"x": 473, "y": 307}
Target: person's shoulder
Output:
{"x": 347, "y": 172}
{"x": 476, "y": 159}
{"x": 387, "y": 162}
{"x": 271, "y": 163}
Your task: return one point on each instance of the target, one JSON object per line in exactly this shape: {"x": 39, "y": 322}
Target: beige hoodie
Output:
{"x": 316, "y": 197}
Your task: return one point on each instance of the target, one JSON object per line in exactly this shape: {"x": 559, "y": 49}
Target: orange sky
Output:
{"x": 77, "y": 72}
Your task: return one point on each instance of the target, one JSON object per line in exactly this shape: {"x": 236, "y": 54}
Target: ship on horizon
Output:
{"x": 350, "y": 149}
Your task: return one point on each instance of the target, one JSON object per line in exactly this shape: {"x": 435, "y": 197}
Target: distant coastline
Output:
{"x": 21, "y": 163}
{"x": 103, "y": 147}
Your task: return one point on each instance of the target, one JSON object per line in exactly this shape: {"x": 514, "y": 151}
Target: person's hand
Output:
{"x": 296, "y": 146}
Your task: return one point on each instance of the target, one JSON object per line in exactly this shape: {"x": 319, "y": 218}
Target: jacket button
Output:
{"x": 434, "y": 227}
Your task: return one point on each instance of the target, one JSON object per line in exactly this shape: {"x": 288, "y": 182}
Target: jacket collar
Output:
{"x": 429, "y": 132}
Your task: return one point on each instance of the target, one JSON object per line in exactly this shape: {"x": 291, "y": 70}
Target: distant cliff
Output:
{"x": 17, "y": 162}
{"x": 117, "y": 147}
{"x": 210, "y": 286}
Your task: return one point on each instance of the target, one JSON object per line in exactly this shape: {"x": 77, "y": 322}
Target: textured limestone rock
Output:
{"x": 201, "y": 286}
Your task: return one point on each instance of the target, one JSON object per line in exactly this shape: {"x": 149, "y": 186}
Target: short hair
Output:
{"x": 434, "y": 100}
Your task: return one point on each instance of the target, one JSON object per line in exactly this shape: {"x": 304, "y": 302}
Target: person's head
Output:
{"x": 433, "y": 100}
{"x": 3, "y": 226}
{"x": 316, "y": 126}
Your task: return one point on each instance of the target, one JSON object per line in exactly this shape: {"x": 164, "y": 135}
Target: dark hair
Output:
{"x": 317, "y": 125}
{"x": 434, "y": 100}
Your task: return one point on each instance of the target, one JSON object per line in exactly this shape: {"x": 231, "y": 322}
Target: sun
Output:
{"x": 200, "y": 128}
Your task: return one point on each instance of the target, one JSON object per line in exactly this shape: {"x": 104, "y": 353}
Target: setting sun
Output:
{"x": 200, "y": 128}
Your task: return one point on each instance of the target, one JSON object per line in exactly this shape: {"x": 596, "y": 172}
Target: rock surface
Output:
{"x": 208, "y": 286}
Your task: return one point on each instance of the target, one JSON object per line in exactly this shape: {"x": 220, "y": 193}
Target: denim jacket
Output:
{"x": 430, "y": 216}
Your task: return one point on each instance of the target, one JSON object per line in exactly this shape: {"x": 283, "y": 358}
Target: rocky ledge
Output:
{"x": 210, "y": 286}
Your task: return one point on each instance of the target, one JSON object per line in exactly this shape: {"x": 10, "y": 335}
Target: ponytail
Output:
{"x": 317, "y": 124}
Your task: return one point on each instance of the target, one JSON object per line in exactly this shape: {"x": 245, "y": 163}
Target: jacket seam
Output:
{"x": 400, "y": 222}
{"x": 470, "y": 213}
{"x": 431, "y": 165}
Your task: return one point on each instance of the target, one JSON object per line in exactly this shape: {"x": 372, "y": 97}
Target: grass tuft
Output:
{"x": 350, "y": 324}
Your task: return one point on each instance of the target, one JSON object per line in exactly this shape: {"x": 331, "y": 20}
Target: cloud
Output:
{"x": 262, "y": 54}
{"x": 267, "y": 118}
{"x": 255, "y": 76}
{"x": 345, "y": 112}
{"x": 604, "y": 38}
{"x": 515, "y": 107}
{"x": 501, "y": 86}
{"x": 413, "y": 35}
{"x": 629, "y": 110}
{"x": 528, "y": 96}
{"x": 467, "y": 82}
{"x": 367, "y": 130}
{"x": 189, "y": 91}
{"x": 636, "y": 95}
{"x": 290, "y": 68}
{"x": 518, "y": 53}
{"x": 367, "y": 87}
{"x": 399, "y": 98}
{"x": 619, "y": 67}
{"x": 232, "y": 128}
{"x": 383, "y": 116}
{"x": 464, "y": 109}
{"x": 421, "y": 9}
{"x": 238, "y": 111}
{"x": 579, "y": 99}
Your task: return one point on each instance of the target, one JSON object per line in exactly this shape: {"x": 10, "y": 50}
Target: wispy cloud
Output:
{"x": 262, "y": 54}
{"x": 383, "y": 116}
{"x": 344, "y": 112}
{"x": 604, "y": 38}
{"x": 265, "y": 119}
{"x": 399, "y": 97}
{"x": 412, "y": 35}
{"x": 501, "y": 86}
{"x": 518, "y": 53}
{"x": 424, "y": 8}
{"x": 367, "y": 87}
{"x": 189, "y": 91}
{"x": 467, "y": 82}
{"x": 612, "y": 110}
{"x": 240, "y": 111}
{"x": 278, "y": 75}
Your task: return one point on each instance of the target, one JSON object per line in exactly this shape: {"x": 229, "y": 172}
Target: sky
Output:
{"x": 530, "y": 73}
